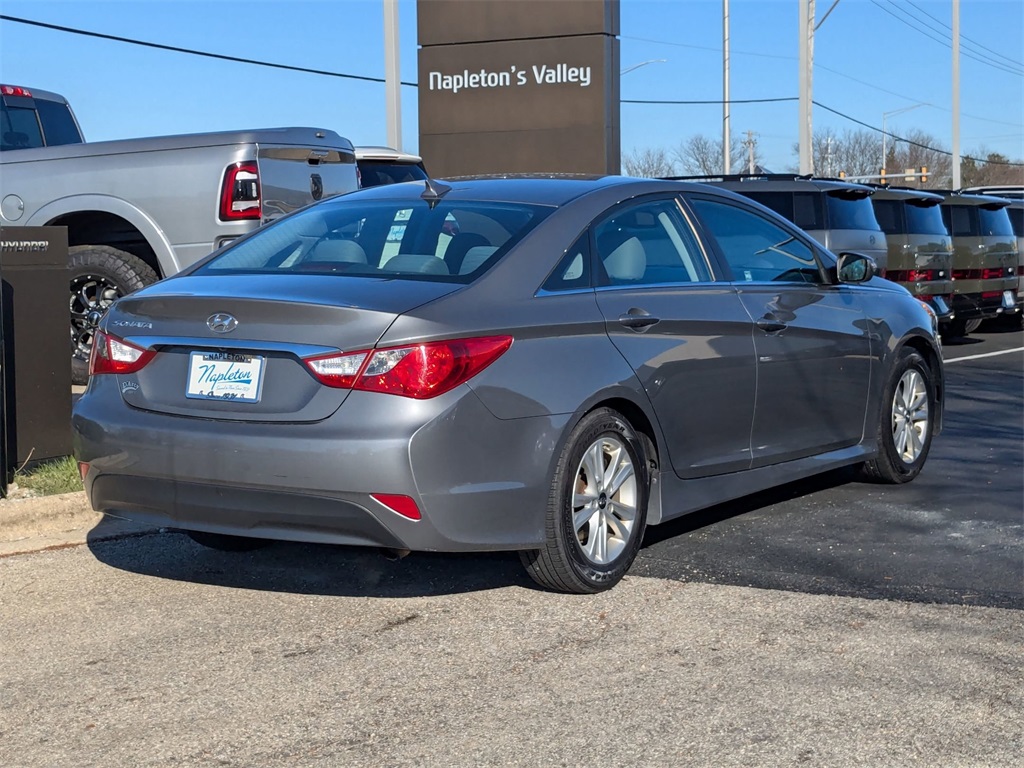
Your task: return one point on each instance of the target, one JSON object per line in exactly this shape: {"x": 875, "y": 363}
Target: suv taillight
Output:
{"x": 240, "y": 195}
{"x": 113, "y": 355}
{"x": 420, "y": 371}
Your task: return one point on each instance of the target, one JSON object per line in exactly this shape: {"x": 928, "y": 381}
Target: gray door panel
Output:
{"x": 697, "y": 365}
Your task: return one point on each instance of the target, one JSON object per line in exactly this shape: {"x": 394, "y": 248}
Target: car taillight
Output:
{"x": 403, "y": 505}
{"x": 992, "y": 273}
{"x": 240, "y": 195}
{"x": 420, "y": 371}
{"x": 338, "y": 371}
{"x": 113, "y": 355}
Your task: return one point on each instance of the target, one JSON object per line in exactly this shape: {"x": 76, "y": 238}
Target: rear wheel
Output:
{"x": 958, "y": 328}
{"x": 597, "y": 508}
{"x": 905, "y": 421}
{"x": 99, "y": 276}
{"x": 226, "y": 543}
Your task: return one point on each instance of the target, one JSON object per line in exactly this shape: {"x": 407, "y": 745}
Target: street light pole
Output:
{"x": 392, "y": 84}
{"x": 956, "y": 94}
{"x": 726, "y": 140}
{"x": 806, "y": 38}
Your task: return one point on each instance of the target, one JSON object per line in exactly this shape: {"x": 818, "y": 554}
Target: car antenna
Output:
{"x": 434, "y": 191}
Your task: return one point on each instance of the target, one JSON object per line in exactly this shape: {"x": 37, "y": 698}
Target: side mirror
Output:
{"x": 855, "y": 268}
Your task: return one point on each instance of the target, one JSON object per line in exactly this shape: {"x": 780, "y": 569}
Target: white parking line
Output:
{"x": 987, "y": 354}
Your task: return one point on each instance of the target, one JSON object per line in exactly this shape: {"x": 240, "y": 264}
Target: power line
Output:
{"x": 193, "y": 52}
{"x": 968, "y": 54}
{"x": 965, "y": 37}
{"x": 909, "y": 141}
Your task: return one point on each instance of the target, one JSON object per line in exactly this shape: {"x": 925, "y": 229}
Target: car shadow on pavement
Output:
{"x": 314, "y": 569}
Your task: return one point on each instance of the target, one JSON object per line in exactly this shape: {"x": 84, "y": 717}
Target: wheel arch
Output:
{"x": 110, "y": 221}
{"x": 643, "y": 421}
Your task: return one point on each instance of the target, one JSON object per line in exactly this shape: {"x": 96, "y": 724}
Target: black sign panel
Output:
{"x": 544, "y": 104}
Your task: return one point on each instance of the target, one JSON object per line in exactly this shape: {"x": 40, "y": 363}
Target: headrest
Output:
{"x": 627, "y": 262}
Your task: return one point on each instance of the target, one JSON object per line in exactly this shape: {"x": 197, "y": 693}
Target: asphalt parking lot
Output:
{"x": 829, "y": 623}
{"x": 954, "y": 535}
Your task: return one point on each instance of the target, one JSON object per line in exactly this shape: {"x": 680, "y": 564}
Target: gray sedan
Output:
{"x": 540, "y": 365}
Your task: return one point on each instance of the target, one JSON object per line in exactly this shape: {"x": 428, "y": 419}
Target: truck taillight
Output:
{"x": 240, "y": 195}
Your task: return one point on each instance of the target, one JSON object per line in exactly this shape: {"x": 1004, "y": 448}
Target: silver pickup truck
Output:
{"x": 141, "y": 209}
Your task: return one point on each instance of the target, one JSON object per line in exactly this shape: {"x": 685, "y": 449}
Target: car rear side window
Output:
{"x": 848, "y": 212}
{"x": 1016, "y": 220}
{"x": 374, "y": 173}
{"x": 394, "y": 239}
{"x": 573, "y": 271}
{"x": 649, "y": 243}
{"x": 890, "y": 216}
{"x": 58, "y": 124}
{"x": 959, "y": 220}
{"x": 758, "y": 250}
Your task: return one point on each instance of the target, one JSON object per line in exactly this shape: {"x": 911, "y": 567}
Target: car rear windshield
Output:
{"x": 373, "y": 173}
{"x": 846, "y": 212}
{"x": 994, "y": 221}
{"x": 393, "y": 239}
{"x": 20, "y": 125}
{"x": 924, "y": 219}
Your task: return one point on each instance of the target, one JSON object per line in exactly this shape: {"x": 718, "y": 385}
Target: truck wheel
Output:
{"x": 99, "y": 275}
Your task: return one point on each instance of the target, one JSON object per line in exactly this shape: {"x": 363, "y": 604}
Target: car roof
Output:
{"x": 958, "y": 197}
{"x": 386, "y": 153}
{"x": 883, "y": 192}
{"x": 537, "y": 189}
{"x": 775, "y": 182}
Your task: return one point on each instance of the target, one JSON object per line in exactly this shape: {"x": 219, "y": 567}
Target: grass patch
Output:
{"x": 57, "y": 476}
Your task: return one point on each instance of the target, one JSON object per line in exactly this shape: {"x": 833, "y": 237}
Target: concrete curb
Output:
{"x": 54, "y": 522}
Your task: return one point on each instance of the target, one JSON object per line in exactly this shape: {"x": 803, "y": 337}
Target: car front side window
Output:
{"x": 756, "y": 249}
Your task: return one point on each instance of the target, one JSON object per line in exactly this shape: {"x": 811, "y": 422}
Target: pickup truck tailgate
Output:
{"x": 293, "y": 176}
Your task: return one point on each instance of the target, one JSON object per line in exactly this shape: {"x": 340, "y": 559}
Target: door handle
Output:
{"x": 638, "y": 319}
{"x": 770, "y": 325}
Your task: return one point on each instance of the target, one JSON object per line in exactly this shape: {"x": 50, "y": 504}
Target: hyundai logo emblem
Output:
{"x": 221, "y": 322}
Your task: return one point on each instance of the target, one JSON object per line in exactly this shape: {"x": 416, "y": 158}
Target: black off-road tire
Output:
{"x": 890, "y": 466}
{"x": 121, "y": 272}
{"x": 225, "y": 543}
{"x": 561, "y": 565}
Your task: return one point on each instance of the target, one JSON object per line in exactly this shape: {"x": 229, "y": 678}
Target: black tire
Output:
{"x": 958, "y": 328}
{"x": 563, "y": 564}
{"x": 898, "y": 464}
{"x": 99, "y": 274}
{"x": 226, "y": 543}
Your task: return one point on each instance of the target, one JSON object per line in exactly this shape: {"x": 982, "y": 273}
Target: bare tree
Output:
{"x": 990, "y": 169}
{"x": 702, "y": 156}
{"x": 647, "y": 163}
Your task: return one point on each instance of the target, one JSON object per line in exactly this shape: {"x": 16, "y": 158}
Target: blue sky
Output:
{"x": 867, "y": 62}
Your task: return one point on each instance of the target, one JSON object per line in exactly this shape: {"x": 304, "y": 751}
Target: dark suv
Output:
{"x": 984, "y": 259}
{"x": 837, "y": 214}
{"x": 920, "y": 248}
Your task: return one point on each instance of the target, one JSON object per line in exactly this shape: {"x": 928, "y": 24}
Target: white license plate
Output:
{"x": 1009, "y": 300}
{"x": 224, "y": 376}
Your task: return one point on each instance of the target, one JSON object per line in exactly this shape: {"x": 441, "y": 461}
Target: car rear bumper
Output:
{"x": 480, "y": 482}
{"x": 968, "y": 306}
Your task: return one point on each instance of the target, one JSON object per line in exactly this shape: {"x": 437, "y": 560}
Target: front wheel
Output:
{"x": 905, "y": 420}
{"x": 597, "y": 508}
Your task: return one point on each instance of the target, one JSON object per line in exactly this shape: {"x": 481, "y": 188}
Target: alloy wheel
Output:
{"x": 604, "y": 505}
{"x": 910, "y": 415}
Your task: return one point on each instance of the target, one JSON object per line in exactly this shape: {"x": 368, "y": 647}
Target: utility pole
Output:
{"x": 726, "y": 140}
{"x": 392, "y": 80}
{"x": 806, "y": 38}
{"x": 956, "y": 94}
{"x": 751, "y": 142}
